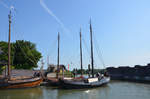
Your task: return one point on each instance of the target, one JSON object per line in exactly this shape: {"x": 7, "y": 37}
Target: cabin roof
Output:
{"x": 22, "y": 72}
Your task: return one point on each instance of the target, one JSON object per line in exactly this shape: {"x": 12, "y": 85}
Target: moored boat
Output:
{"x": 90, "y": 82}
{"x": 9, "y": 82}
{"x": 21, "y": 83}
{"x": 54, "y": 81}
{"x": 84, "y": 83}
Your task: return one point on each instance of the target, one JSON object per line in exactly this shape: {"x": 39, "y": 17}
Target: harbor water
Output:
{"x": 114, "y": 90}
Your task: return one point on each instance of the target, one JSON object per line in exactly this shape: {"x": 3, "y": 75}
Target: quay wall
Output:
{"x": 137, "y": 73}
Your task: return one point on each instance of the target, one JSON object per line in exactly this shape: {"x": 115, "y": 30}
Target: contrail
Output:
{"x": 4, "y": 4}
{"x": 7, "y": 7}
{"x": 53, "y": 15}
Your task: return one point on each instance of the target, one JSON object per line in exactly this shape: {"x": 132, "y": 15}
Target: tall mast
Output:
{"x": 47, "y": 60}
{"x": 9, "y": 49}
{"x": 92, "y": 63}
{"x": 81, "y": 52}
{"x": 58, "y": 56}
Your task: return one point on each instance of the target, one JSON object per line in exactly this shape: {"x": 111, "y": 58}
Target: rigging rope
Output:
{"x": 32, "y": 60}
{"x": 53, "y": 46}
{"x": 99, "y": 52}
{"x": 84, "y": 43}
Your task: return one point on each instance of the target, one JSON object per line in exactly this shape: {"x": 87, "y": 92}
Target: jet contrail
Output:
{"x": 53, "y": 15}
{"x": 4, "y": 4}
{"x": 7, "y": 7}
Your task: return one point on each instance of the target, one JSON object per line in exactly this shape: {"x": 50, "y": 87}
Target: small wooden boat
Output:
{"x": 97, "y": 81}
{"x": 20, "y": 83}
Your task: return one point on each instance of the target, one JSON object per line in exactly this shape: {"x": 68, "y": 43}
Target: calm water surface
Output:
{"x": 114, "y": 90}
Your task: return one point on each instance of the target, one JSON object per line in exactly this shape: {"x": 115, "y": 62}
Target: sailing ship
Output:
{"x": 9, "y": 82}
{"x": 90, "y": 82}
{"x": 54, "y": 81}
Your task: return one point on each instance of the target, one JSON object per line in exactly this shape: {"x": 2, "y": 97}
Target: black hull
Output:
{"x": 66, "y": 84}
{"x": 52, "y": 81}
{"x": 71, "y": 86}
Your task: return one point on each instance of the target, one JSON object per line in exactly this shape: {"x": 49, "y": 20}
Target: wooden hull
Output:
{"x": 24, "y": 83}
{"x": 81, "y": 84}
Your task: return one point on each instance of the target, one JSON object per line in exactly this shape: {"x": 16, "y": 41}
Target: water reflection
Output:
{"x": 50, "y": 93}
{"x": 114, "y": 90}
{"x": 95, "y": 93}
{"x": 28, "y": 93}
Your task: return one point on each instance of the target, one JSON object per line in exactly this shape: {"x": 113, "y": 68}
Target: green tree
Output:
{"x": 23, "y": 54}
{"x": 26, "y": 56}
{"x": 4, "y": 54}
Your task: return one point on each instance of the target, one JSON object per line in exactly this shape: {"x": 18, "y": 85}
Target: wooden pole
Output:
{"x": 47, "y": 61}
{"x": 89, "y": 69}
{"x": 81, "y": 52}
{"x": 6, "y": 67}
{"x": 58, "y": 56}
{"x": 92, "y": 63}
{"x": 41, "y": 69}
{"x": 9, "y": 49}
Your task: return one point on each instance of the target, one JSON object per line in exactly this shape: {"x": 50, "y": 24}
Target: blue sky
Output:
{"x": 121, "y": 29}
